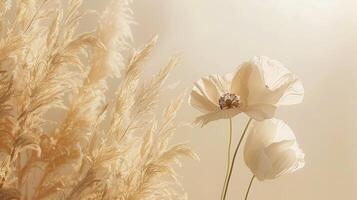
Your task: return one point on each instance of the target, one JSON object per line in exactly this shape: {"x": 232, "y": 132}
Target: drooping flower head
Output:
{"x": 271, "y": 150}
{"x": 257, "y": 88}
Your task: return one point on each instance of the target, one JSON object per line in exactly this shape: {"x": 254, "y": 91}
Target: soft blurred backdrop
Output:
{"x": 316, "y": 39}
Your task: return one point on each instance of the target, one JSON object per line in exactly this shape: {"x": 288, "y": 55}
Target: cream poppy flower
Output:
{"x": 256, "y": 88}
{"x": 271, "y": 150}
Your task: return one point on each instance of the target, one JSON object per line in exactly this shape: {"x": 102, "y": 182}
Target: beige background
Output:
{"x": 316, "y": 39}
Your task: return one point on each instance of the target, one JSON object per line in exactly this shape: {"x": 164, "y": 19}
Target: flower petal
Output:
{"x": 260, "y": 135}
{"x": 255, "y": 84}
{"x": 263, "y": 168}
{"x": 272, "y": 83}
{"x": 260, "y": 111}
{"x": 300, "y": 159}
{"x": 201, "y": 103}
{"x": 221, "y": 114}
{"x": 221, "y": 83}
{"x": 271, "y": 71}
{"x": 294, "y": 93}
{"x": 289, "y": 92}
{"x": 283, "y": 132}
{"x": 271, "y": 150}
{"x": 239, "y": 81}
{"x": 281, "y": 156}
{"x": 206, "y": 93}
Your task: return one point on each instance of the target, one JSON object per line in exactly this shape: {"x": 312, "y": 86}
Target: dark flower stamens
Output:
{"x": 229, "y": 101}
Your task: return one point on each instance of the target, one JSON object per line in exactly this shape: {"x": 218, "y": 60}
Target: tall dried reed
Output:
{"x": 101, "y": 148}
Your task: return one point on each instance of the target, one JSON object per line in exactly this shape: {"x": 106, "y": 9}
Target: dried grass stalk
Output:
{"x": 100, "y": 149}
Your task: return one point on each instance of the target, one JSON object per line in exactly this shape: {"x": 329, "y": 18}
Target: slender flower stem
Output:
{"x": 234, "y": 158}
{"x": 250, "y": 185}
{"x": 228, "y": 156}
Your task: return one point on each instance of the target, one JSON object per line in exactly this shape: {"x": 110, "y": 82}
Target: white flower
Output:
{"x": 271, "y": 150}
{"x": 256, "y": 88}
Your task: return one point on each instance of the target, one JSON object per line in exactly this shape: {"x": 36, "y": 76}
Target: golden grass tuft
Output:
{"x": 102, "y": 148}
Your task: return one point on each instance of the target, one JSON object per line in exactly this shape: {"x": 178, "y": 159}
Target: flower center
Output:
{"x": 229, "y": 101}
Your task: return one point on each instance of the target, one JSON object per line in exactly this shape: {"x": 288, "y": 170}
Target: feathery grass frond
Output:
{"x": 96, "y": 148}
